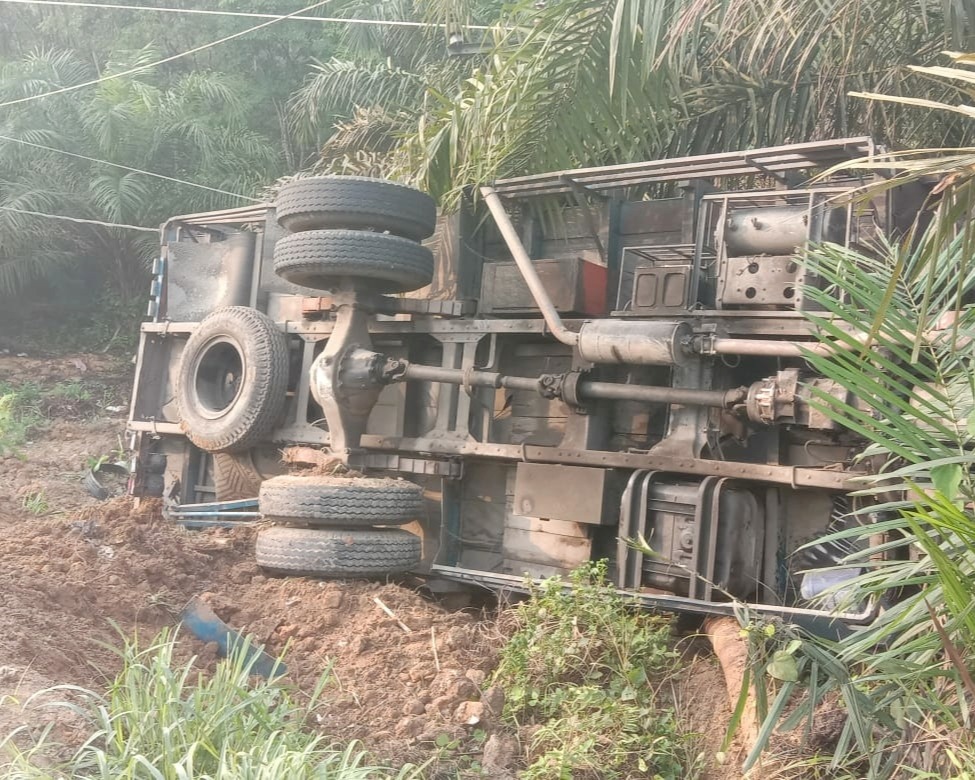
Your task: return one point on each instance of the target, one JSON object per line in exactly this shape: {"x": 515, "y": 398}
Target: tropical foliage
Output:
{"x": 217, "y": 119}
{"x": 903, "y": 680}
{"x": 641, "y": 79}
{"x": 612, "y": 81}
{"x": 902, "y": 320}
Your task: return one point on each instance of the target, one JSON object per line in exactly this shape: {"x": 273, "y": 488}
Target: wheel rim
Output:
{"x": 218, "y": 375}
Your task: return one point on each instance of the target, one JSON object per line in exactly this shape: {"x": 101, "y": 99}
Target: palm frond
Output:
{"x": 653, "y": 78}
{"x": 336, "y": 88}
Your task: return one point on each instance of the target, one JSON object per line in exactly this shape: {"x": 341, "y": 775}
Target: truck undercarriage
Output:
{"x": 592, "y": 357}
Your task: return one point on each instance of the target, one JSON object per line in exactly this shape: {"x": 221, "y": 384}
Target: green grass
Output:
{"x": 71, "y": 390}
{"x": 19, "y": 416}
{"x": 161, "y": 720}
{"x": 27, "y": 407}
{"x": 36, "y": 503}
{"x": 587, "y": 671}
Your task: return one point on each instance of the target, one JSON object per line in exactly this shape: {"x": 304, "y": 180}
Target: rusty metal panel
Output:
{"x": 201, "y": 277}
{"x": 759, "y": 280}
{"x": 571, "y": 493}
{"x": 574, "y": 285}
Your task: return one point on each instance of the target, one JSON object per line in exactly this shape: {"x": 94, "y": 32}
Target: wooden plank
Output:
{"x": 537, "y": 430}
{"x": 544, "y": 431}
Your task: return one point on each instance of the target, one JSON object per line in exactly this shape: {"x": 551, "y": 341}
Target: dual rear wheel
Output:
{"x": 233, "y": 380}
{"x": 364, "y": 234}
{"x": 339, "y": 526}
{"x": 351, "y": 229}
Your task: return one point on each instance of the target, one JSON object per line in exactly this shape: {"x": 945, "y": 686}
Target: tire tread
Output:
{"x": 337, "y": 553}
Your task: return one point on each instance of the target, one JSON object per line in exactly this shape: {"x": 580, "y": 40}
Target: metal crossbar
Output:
{"x": 753, "y": 162}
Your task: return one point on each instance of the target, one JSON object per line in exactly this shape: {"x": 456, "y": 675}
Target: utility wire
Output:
{"x": 78, "y": 219}
{"x": 163, "y": 61}
{"x": 252, "y": 15}
{"x": 127, "y": 168}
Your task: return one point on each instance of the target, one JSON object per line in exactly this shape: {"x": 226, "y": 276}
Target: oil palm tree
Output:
{"x": 581, "y": 83}
{"x": 194, "y": 128}
{"x": 905, "y": 678}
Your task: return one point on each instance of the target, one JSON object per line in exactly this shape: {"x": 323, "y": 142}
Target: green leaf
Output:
{"x": 947, "y": 479}
{"x": 783, "y": 667}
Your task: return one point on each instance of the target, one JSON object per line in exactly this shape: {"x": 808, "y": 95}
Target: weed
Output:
{"x": 36, "y": 503}
{"x": 166, "y": 721}
{"x": 93, "y": 463}
{"x": 458, "y": 756}
{"x": 73, "y": 390}
{"x": 19, "y": 416}
{"x": 585, "y": 668}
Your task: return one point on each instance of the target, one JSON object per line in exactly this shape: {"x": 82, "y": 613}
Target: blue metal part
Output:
{"x": 215, "y": 513}
{"x": 195, "y": 523}
{"x": 204, "y": 624}
{"x": 243, "y": 503}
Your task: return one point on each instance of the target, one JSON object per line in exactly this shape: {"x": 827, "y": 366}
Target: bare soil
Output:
{"x": 84, "y": 572}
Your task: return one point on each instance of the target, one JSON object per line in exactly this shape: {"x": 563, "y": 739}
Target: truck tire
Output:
{"x": 235, "y": 477}
{"x": 341, "y": 501}
{"x": 356, "y": 203}
{"x": 321, "y": 258}
{"x": 233, "y": 379}
{"x": 337, "y": 553}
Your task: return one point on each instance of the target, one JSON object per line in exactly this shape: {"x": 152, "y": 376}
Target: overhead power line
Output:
{"x": 147, "y": 66}
{"x": 79, "y": 219}
{"x": 254, "y": 15}
{"x": 127, "y": 167}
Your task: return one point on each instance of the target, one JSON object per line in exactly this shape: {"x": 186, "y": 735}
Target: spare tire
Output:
{"x": 235, "y": 476}
{"x": 321, "y": 258}
{"x": 337, "y": 553}
{"x": 344, "y": 501}
{"x": 233, "y": 379}
{"x": 357, "y": 203}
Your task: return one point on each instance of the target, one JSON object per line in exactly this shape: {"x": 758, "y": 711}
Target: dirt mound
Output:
{"x": 69, "y": 579}
{"x": 74, "y": 583}
{"x": 391, "y": 688}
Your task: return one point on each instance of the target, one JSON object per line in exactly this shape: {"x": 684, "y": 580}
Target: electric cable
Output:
{"x": 127, "y": 167}
{"x": 254, "y": 15}
{"x": 80, "y": 220}
{"x": 172, "y": 58}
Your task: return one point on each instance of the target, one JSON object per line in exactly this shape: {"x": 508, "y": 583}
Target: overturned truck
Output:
{"x": 573, "y": 361}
